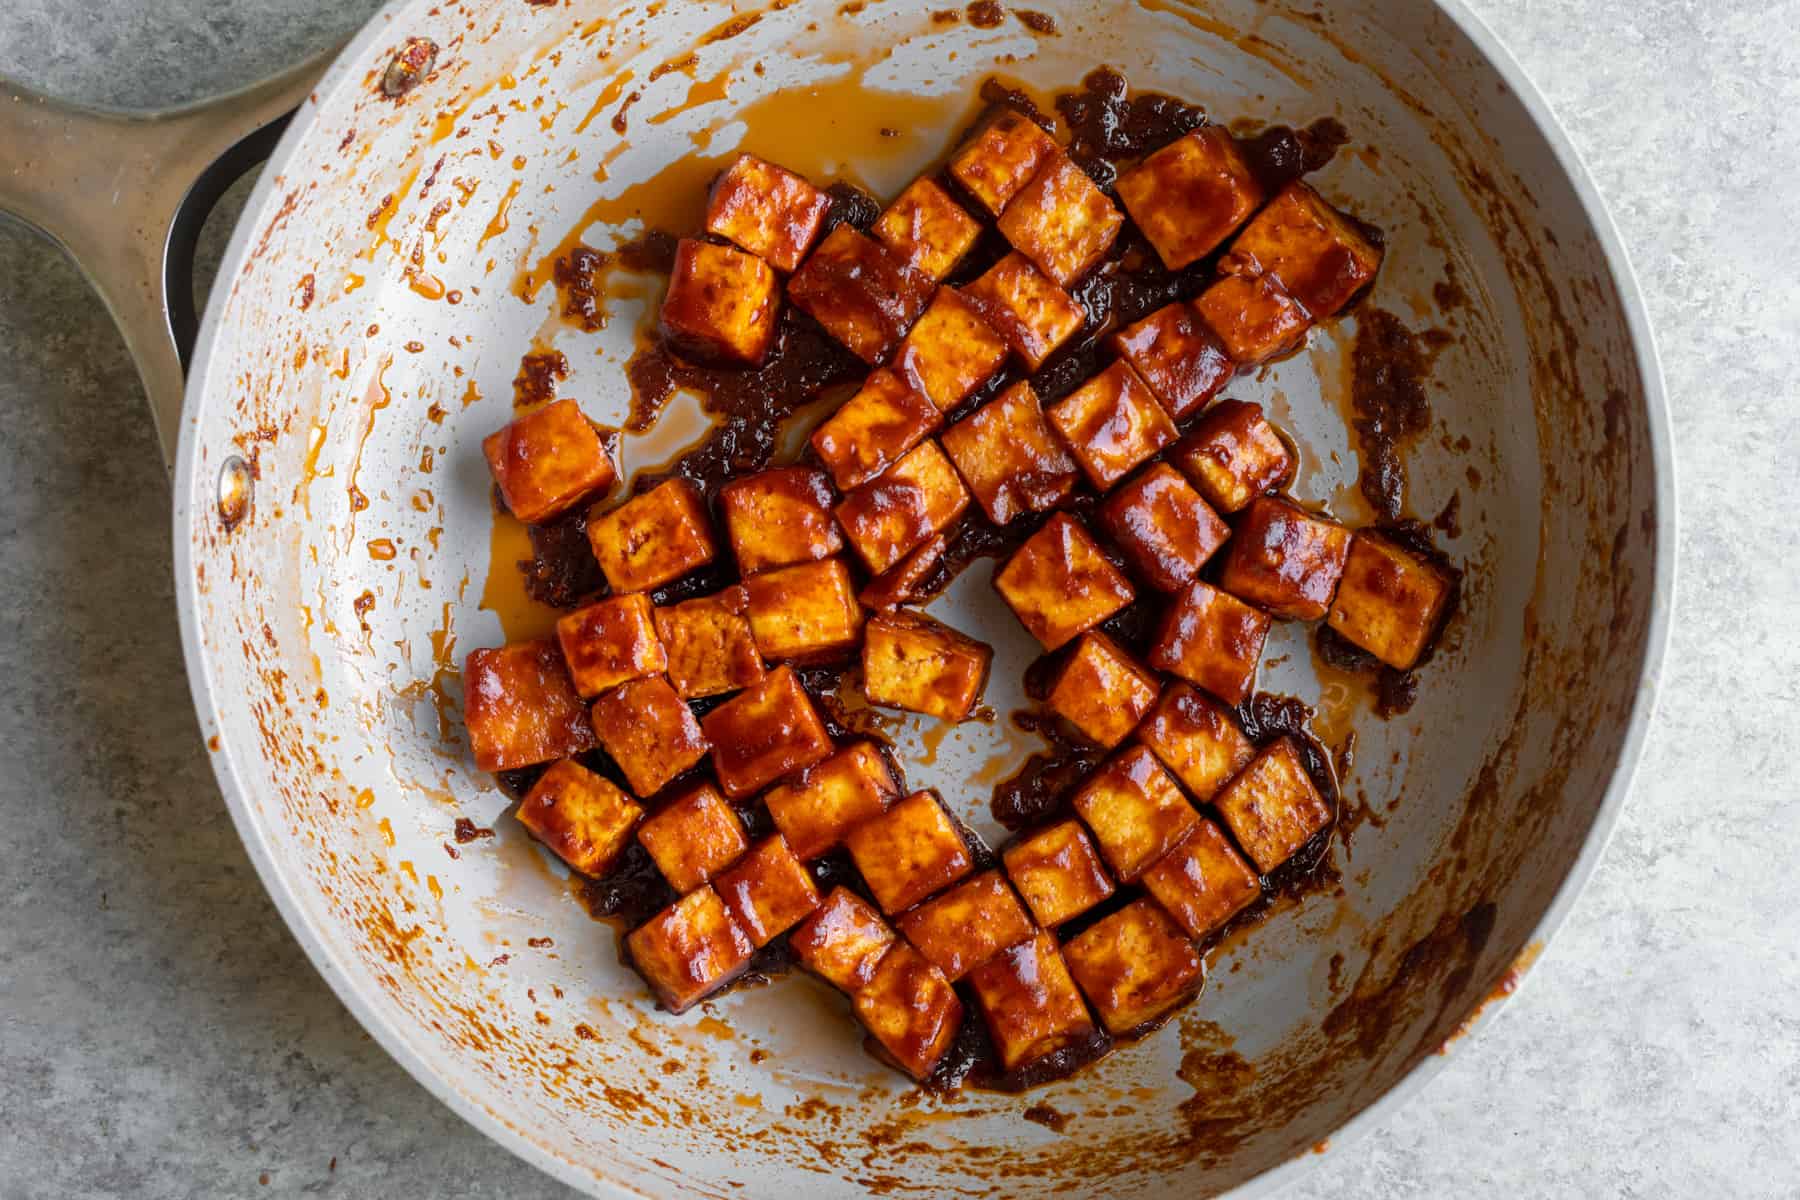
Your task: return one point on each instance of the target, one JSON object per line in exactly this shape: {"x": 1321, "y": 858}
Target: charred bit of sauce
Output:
{"x": 538, "y": 375}
{"x": 1388, "y": 403}
{"x": 468, "y": 831}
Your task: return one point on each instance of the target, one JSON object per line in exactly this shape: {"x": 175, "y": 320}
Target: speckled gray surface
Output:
{"x": 161, "y": 1035}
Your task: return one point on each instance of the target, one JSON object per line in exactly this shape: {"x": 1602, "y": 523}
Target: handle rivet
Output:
{"x": 234, "y": 492}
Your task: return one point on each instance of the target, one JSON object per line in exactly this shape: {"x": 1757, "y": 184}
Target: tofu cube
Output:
{"x": 1234, "y": 455}
{"x": 1134, "y": 966}
{"x": 806, "y": 613}
{"x": 817, "y": 807}
{"x": 968, "y": 924}
{"x": 997, "y": 163}
{"x": 1060, "y": 584}
{"x": 1030, "y": 1002}
{"x": 910, "y": 852}
{"x": 910, "y": 1009}
{"x": 1178, "y": 356}
{"x": 652, "y": 538}
{"x": 778, "y": 517}
{"x": 874, "y": 429}
{"x": 766, "y": 209}
{"x": 1272, "y": 807}
{"x": 1254, "y": 317}
{"x": 1197, "y": 740}
{"x": 521, "y": 708}
{"x": 1317, "y": 253}
{"x": 693, "y": 838}
{"x": 1212, "y": 640}
{"x": 611, "y": 642}
{"x": 1061, "y": 221}
{"x": 1191, "y": 195}
{"x": 649, "y": 731}
{"x": 1389, "y": 601}
{"x": 1203, "y": 882}
{"x": 864, "y": 296}
{"x": 1102, "y": 691}
{"x": 1111, "y": 424}
{"x": 764, "y": 733}
{"x": 768, "y": 891}
{"x": 548, "y": 461}
{"x": 1166, "y": 530}
{"x": 927, "y": 229}
{"x": 890, "y": 516}
{"x": 950, "y": 352}
{"x": 1285, "y": 560}
{"x": 1009, "y": 457}
{"x": 722, "y": 305}
{"x": 1058, "y": 871}
{"x": 843, "y": 941}
{"x": 907, "y": 580}
{"x": 690, "y": 949}
{"x": 915, "y": 663}
{"x": 1135, "y": 810}
{"x": 710, "y": 646}
{"x": 583, "y": 818}
{"x": 1026, "y": 307}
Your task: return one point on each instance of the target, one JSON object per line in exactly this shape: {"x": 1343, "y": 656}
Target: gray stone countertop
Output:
{"x": 161, "y": 1034}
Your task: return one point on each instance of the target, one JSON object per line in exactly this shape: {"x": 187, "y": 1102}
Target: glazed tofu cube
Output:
{"x": 1212, "y": 640}
{"x": 1285, "y": 560}
{"x": 907, "y": 580}
{"x": 1316, "y": 252}
{"x": 693, "y": 838}
{"x": 1234, "y": 455}
{"x": 997, "y": 163}
{"x": 1009, "y": 457}
{"x": 1203, "y": 882}
{"x": 1135, "y": 810}
{"x": 1061, "y": 221}
{"x": 1030, "y": 1003}
{"x": 1178, "y": 356}
{"x": 910, "y": 1009}
{"x": 1272, "y": 807}
{"x": 548, "y": 461}
{"x": 874, "y": 429}
{"x": 521, "y": 708}
{"x": 864, "y": 296}
{"x": 768, "y": 891}
{"x": 1111, "y": 424}
{"x": 1191, "y": 195}
{"x": 649, "y": 731}
{"x": 910, "y": 852}
{"x": 690, "y": 949}
{"x": 766, "y": 209}
{"x": 1389, "y": 601}
{"x": 887, "y": 518}
{"x": 843, "y": 941}
{"x": 1166, "y": 530}
{"x": 1197, "y": 740}
{"x": 1026, "y": 307}
{"x": 927, "y": 229}
{"x": 806, "y": 613}
{"x": 1060, "y": 584}
{"x": 1059, "y": 872}
{"x": 764, "y": 733}
{"x": 611, "y": 642}
{"x": 1134, "y": 966}
{"x": 1254, "y": 317}
{"x": 968, "y": 924}
{"x": 1102, "y": 691}
{"x": 950, "y": 352}
{"x": 778, "y": 517}
{"x": 710, "y": 646}
{"x": 816, "y": 808}
{"x": 915, "y": 663}
{"x": 652, "y": 538}
{"x": 583, "y": 818}
{"x": 721, "y": 306}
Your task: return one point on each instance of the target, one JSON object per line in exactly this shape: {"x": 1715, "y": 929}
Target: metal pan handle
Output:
{"x": 125, "y": 195}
